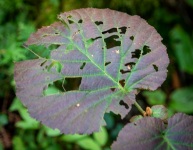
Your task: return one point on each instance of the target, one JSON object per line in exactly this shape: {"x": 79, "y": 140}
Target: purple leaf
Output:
{"x": 113, "y": 53}
{"x": 152, "y": 133}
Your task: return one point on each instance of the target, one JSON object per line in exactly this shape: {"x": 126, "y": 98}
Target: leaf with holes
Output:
{"x": 152, "y": 133}
{"x": 108, "y": 54}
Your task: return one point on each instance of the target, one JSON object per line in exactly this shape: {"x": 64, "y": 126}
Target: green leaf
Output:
{"x": 110, "y": 53}
{"x": 183, "y": 48}
{"x": 155, "y": 97}
{"x": 189, "y": 2}
{"x": 51, "y": 132}
{"x": 28, "y": 122}
{"x": 101, "y": 137}
{"x": 152, "y": 133}
{"x": 88, "y": 143}
{"x": 73, "y": 138}
{"x": 110, "y": 121}
{"x": 51, "y": 90}
{"x": 18, "y": 143}
{"x": 1, "y": 146}
{"x": 3, "y": 119}
{"x": 159, "y": 111}
{"x": 54, "y": 146}
{"x": 16, "y": 105}
{"x": 181, "y": 100}
{"x": 135, "y": 118}
{"x": 116, "y": 130}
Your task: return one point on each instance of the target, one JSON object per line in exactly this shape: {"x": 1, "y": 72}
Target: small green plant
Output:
{"x": 99, "y": 62}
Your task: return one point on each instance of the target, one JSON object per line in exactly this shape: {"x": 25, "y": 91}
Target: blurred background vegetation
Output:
{"x": 19, "y": 18}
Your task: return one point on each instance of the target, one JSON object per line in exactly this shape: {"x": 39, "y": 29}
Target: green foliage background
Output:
{"x": 19, "y": 18}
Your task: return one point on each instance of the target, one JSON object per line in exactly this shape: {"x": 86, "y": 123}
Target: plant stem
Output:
{"x": 139, "y": 108}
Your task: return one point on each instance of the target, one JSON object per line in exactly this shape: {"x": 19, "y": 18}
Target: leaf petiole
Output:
{"x": 139, "y": 108}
